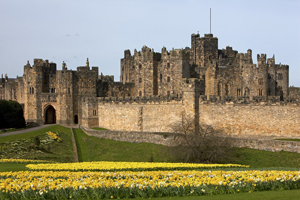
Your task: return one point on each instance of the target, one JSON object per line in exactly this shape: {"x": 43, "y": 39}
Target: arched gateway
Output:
{"x": 50, "y": 115}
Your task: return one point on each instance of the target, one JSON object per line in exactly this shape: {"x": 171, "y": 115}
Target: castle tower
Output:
{"x": 203, "y": 51}
{"x": 146, "y": 64}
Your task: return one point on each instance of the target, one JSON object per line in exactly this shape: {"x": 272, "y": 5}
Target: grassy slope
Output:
{"x": 59, "y": 152}
{"x": 265, "y": 159}
{"x": 97, "y": 149}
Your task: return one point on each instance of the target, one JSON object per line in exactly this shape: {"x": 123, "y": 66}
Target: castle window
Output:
{"x": 260, "y": 81}
{"x": 168, "y": 79}
{"x": 238, "y": 91}
{"x": 279, "y": 76}
{"x": 269, "y": 76}
{"x": 226, "y": 89}
{"x": 68, "y": 90}
{"x": 94, "y": 112}
{"x": 260, "y": 93}
{"x": 160, "y": 77}
{"x": 140, "y": 80}
{"x": 140, "y": 66}
{"x": 168, "y": 65}
{"x": 31, "y": 90}
{"x": 219, "y": 89}
{"x": 140, "y": 93}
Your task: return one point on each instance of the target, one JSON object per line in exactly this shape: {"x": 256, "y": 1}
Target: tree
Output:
{"x": 11, "y": 115}
{"x": 200, "y": 143}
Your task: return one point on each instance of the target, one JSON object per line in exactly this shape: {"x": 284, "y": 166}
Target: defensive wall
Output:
{"x": 145, "y": 114}
{"x": 267, "y": 144}
{"x": 238, "y": 118}
{"x": 249, "y": 118}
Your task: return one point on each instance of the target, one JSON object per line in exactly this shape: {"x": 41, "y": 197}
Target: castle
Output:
{"x": 154, "y": 88}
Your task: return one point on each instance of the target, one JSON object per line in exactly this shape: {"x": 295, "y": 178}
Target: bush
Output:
{"x": 11, "y": 115}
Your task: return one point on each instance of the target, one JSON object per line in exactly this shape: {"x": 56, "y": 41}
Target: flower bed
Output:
{"x": 133, "y": 166}
{"x": 129, "y": 184}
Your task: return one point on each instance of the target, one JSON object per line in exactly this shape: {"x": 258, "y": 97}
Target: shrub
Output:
{"x": 11, "y": 115}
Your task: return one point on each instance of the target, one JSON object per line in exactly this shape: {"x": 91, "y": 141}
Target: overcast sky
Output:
{"x": 72, "y": 30}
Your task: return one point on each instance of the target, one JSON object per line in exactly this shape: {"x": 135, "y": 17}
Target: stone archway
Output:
{"x": 50, "y": 115}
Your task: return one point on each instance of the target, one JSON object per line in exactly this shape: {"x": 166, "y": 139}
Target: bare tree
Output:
{"x": 199, "y": 142}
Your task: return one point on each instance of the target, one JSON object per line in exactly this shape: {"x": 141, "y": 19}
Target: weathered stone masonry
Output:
{"x": 220, "y": 87}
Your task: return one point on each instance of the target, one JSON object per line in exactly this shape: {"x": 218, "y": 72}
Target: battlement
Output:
{"x": 40, "y": 65}
{"x": 140, "y": 100}
{"x": 174, "y": 54}
{"x": 245, "y": 100}
{"x": 261, "y": 59}
{"x": 146, "y": 54}
{"x": 106, "y": 78}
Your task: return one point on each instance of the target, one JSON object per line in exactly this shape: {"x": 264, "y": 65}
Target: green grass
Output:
{"x": 98, "y": 149}
{"x": 5, "y": 167}
{"x": 265, "y": 159}
{"x": 57, "y": 151}
{"x": 82, "y": 146}
{"x": 266, "y": 195}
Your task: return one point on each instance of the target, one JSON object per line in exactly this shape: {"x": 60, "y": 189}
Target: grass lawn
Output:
{"x": 5, "y": 167}
{"x": 97, "y": 149}
{"x": 265, "y": 159}
{"x": 17, "y": 146}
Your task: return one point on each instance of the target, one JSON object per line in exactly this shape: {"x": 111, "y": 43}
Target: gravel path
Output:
{"x": 25, "y": 130}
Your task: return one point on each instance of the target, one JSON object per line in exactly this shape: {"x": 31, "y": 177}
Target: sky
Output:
{"x": 74, "y": 30}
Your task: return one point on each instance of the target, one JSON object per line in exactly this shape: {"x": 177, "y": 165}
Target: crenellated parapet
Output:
{"x": 247, "y": 101}
{"x": 139, "y": 100}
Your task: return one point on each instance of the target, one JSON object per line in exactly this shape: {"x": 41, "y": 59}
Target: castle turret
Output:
{"x": 87, "y": 63}
{"x": 64, "y": 66}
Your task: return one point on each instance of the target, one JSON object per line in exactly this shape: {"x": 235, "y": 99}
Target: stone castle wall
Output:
{"x": 254, "y": 119}
{"x": 238, "y": 119}
{"x": 154, "y": 113}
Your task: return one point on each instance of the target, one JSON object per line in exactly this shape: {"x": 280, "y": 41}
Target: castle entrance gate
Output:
{"x": 50, "y": 115}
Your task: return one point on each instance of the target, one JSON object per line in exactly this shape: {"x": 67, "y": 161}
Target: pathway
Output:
{"x": 25, "y": 130}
